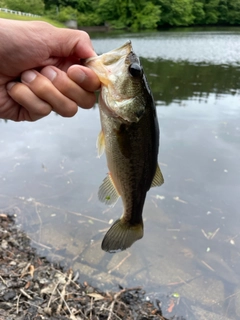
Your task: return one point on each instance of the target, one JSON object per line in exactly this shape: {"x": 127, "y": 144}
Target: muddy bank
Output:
{"x": 33, "y": 288}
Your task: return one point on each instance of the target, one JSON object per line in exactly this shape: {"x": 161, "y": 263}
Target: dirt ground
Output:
{"x": 31, "y": 287}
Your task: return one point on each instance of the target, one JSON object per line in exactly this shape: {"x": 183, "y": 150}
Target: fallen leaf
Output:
{"x": 171, "y": 306}
{"x": 31, "y": 270}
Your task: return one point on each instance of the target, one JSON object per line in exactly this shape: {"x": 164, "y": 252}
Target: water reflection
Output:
{"x": 178, "y": 81}
{"x": 50, "y": 175}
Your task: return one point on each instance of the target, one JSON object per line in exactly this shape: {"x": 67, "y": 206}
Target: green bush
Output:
{"x": 67, "y": 13}
{"x": 89, "y": 19}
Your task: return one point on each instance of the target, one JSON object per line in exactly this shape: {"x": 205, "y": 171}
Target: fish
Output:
{"x": 130, "y": 137}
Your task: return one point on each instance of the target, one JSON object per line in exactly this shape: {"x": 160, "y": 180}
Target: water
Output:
{"x": 50, "y": 175}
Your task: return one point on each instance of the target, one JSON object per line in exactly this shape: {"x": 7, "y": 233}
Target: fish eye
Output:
{"x": 135, "y": 70}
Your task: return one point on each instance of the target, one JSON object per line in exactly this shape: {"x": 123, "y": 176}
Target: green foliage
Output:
{"x": 134, "y": 14}
{"x": 147, "y": 18}
{"x": 30, "y": 6}
{"x": 108, "y": 10}
{"x": 198, "y": 12}
{"x": 67, "y": 13}
{"x": 85, "y": 6}
{"x": 89, "y": 19}
{"x": 234, "y": 12}
{"x": 177, "y": 12}
{"x": 182, "y": 13}
{"x": 55, "y": 23}
{"x": 211, "y": 12}
{"x": 3, "y": 4}
{"x": 223, "y": 11}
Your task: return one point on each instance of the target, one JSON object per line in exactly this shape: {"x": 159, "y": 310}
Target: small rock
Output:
{"x": 4, "y": 244}
{"x": 48, "y": 311}
{"x": 9, "y": 295}
{"x": 5, "y": 305}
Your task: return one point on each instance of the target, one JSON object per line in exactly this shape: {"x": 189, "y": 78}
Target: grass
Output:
{"x": 5, "y": 15}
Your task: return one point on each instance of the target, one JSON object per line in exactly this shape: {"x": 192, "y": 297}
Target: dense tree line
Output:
{"x": 134, "y": 14}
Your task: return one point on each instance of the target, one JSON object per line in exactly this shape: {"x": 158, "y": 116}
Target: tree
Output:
{"x": 211, "y": 11}
{"x": 108, "y": 10}
{"x": 233, "y": 12}
{"x": 61, "y": 3}
{"x": 133, "y": 14}
{"x": 147, "y": 18}
{"x": 67, "y": 13}
{"x": 29, "y": 6}
{"x": 223, "y": 11}
{"x": 177, "y": 12}
{"x": 198, "y": 12}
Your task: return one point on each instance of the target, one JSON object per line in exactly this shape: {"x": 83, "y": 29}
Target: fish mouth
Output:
{"x": 112, "y": 68}
{"x": 99, "y": 64}
{"x": 113, "y": 55}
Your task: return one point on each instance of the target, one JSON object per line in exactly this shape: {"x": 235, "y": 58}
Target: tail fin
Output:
{"x": 121, "y": 236}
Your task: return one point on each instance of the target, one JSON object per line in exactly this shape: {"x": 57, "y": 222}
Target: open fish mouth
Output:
{"x": 108, "y": 64}
{"x": 113, "y": 55}
{"x": 120, "y": 74}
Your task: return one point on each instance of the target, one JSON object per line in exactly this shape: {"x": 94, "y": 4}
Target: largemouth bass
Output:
{"x": 130, "y": 137}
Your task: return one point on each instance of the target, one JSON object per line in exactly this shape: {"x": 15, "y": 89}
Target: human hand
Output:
{"x": 41, "y": 71}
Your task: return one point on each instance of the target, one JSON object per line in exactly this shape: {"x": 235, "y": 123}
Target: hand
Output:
{"x": 41, "y": 71}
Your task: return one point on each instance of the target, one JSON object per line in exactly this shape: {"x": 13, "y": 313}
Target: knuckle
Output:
{"x": 62, "y": 84}
{"x": 16, "y": 90}
{"x": 84, "y": 35}
{"x": 42, "y": 89}
{"x": 68, "y": 109}
{"x": 88, "y": 102}
{"x": 44, "y": 110}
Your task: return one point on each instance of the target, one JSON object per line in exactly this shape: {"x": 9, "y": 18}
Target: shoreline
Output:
{"x": 34, "y": 288}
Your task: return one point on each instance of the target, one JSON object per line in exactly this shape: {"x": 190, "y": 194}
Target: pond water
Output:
{"x": 190, "y": 253}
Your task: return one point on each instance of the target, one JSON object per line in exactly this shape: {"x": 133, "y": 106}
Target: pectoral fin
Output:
{"x": 107, "y": 192}
{"x": 158, "y": 179}
{"x": 100, "y": 144}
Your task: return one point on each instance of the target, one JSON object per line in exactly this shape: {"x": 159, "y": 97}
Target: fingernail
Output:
{"x": 10, "y": 85}
{"x": 49, "y": 73}
{"x": 28, "y": 76}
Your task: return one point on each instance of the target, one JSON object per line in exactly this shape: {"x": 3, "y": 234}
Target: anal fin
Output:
{"x": 107, "y": 192}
